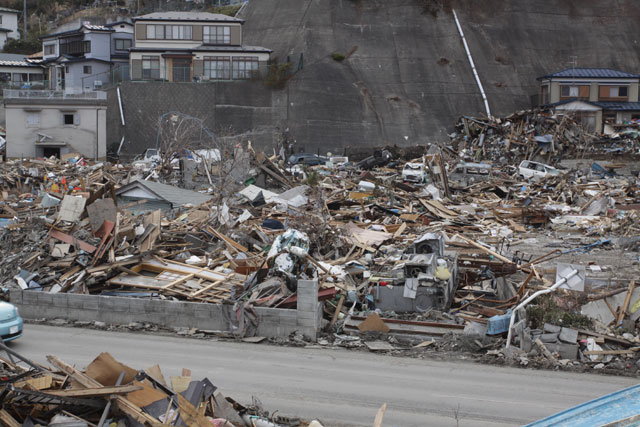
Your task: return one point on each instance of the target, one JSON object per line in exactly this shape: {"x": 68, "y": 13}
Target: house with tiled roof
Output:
{"x": 85, "y": 58}
{"x": 597, "y": 96}
{"x": 8, "y": 25}
{"x": 193, "y": 47}
{"x": 20, "y": 72}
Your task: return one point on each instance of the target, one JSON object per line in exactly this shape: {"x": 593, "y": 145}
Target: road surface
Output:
{"x": 338, "y": 387}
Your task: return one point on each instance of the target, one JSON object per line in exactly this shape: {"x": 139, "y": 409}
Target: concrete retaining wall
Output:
{"x": 272, "y": 322}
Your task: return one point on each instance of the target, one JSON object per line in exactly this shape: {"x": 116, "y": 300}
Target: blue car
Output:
{"x": 10, "y": 322}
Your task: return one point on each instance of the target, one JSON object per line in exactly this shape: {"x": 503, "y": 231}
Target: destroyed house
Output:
{"x": 598, "y": 97}
{"x": 193, "y": 47}
{"x": 87, "y": 58}
{"x": 155, "y": 195}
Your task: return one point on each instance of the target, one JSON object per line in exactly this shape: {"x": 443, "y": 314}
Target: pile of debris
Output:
{"x": 536, "y": 135}
{"x": 434, "y": 247}
{"x": 108, "y": 392}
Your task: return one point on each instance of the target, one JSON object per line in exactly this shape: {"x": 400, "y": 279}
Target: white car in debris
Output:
{"x": 529, "y": 169}
{"x": 414, "y": 172}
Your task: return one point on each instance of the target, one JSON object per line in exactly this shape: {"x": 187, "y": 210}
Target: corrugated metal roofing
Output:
{"x": 6, "y": 9}
{"x": 187, "y": 16}
{"x": 174, "y": 195}
{"x": 585, "y": 73}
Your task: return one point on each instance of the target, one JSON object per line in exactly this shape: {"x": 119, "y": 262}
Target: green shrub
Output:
{"x": 278, "y": 74}
{"x": 337, "y": 56}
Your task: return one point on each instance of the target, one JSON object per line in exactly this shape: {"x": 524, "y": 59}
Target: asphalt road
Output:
{"x": 338, "y": 387}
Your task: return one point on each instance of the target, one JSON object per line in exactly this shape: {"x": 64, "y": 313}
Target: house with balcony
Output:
{"x": 8, "y": 25}
{"x": 193, "y": 47}
{"x": 45, "y": 123}
{"x": 599, "y": 97}
{"x": 87, "y": 58}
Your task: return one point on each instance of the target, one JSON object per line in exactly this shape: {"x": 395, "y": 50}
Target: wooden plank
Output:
{"x": 96, "y": 392}
{"x": 206, "y": 288}
{"x": 8, "y": 420}
{"x": 625, "y": 305}
{"x": 380, "y": 416}
{"x": 179, "y": 281}
{"x": 177, "y": 267}
{"x": 598, "y": 352}
{"x": 230, "y": 241}
{"x": 334, "y": 319}
{"x": 63, "y": 237}
{"x": 123, "y": 404}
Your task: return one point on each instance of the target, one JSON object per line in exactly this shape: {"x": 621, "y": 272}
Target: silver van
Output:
{"x": 465, "y": 174}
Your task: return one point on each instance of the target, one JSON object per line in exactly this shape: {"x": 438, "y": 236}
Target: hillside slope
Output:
{"x": 406, "y": 77}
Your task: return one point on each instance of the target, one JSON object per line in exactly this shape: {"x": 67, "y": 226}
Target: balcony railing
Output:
{"x": 52, "y": 94}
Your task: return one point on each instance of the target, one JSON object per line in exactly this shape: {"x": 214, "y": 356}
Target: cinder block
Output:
{"x": 45, "y": 298}
{"x": 91, "y": 303}
{"x": 60, "y": 300}
{"x": 121, "y": 305}
{"x": 15, "y": 296}
{"x": 310, "y": 323}
{"x": 202, "y": 314}
{"x": 74, "y": 302}
{"x": 137, "y": 306}
{"x": 30, "y": 297}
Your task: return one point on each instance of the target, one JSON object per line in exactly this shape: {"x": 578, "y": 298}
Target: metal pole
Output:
{"x": 24, "y": 20}
{"x": 532, "y": 297}
{"x": 473, "y": 66}
{"x": 107, "y": 408}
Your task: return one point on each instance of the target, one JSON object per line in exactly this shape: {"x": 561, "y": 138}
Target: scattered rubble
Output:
{"x": 434, "y": 263}
{"x": 108, "y": 392}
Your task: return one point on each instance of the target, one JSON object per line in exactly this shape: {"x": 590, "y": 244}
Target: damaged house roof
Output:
{"x": 175, "y": 196}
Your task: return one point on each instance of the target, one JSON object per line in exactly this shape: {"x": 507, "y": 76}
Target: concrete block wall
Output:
{"x": 272, "y": 322}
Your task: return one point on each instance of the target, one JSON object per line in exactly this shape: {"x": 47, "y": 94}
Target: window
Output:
{"x": 86, "y": 69}
{"x": 69, "y": 118}
{"x": 20, "y": 77}
{"x": 217, "y": 67}
{"x": 123, "y": 44}
{"x": 33, "y": 118}
{"x": 0, "y": 19}
{"x": 66, "y": 69}
{"x": 216, "y": 35}
{"x": 169, "y": 32}
{"x": 75, "y": 47}
{"x": 569, "y": 91}
{"x": 618, "y": 92}
{"x": 49, "y": 49}
{"x": 150, "y": 67}
{"x": 245, "y": 67}
{"x": 5, "y": 77}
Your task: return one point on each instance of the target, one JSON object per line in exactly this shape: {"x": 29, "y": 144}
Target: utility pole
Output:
{"x": 24, "y": 20}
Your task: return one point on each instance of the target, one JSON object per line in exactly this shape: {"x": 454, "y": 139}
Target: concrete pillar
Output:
{"x": 594, "y": 92}
{"x": 308, "y": 310}
{"x": 554, "y": 92}
{"x": 633, "y": 92}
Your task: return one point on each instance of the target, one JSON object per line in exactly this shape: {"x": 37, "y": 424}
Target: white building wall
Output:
{"x": 10, "y": 22}
{"x": 88, "y": 137}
